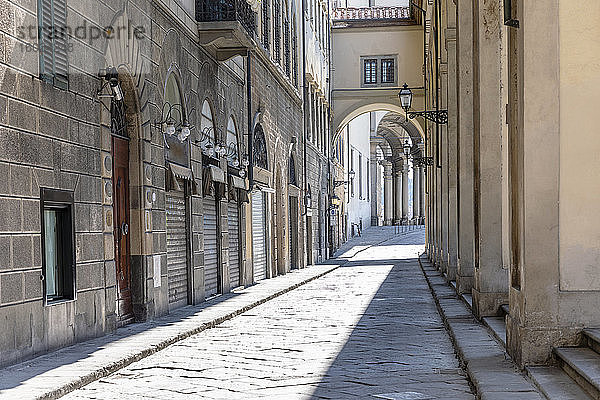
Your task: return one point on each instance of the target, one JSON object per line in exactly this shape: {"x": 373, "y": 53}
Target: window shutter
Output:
{"x": 61, "y": 41}
{"x": 53, "y": 39}
{"x": 45, "y": 41}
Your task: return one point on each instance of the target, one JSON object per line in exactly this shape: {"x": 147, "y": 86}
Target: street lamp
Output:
{"x": 406, "y": 148}
{"x": 351, "y": 174}
{"x": 406, "y": 96}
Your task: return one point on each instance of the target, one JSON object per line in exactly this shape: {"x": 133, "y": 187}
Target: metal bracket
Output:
{"x": 439, "y": 117}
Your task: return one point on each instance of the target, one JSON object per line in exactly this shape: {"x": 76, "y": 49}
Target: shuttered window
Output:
{"x": 54, "y": 42}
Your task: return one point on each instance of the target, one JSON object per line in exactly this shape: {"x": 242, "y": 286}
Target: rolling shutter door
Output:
{"x": 177, "y": 271}
{"x": 258, "y": 236}
{"x": 211, "y": 249}
{"x": 234, "y": 244}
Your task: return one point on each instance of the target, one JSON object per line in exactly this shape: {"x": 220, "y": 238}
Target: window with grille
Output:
{"x": 58, "y": 245}
{"x": 370, "y": 71}
{"x": 266, "y": 24}
{"x": 277, "y": 30}
{"x": 294, "y": 55}
{"x": 387, "y": 70}
{"x": 286, "y": 47}
{"x": 54, "y": 42}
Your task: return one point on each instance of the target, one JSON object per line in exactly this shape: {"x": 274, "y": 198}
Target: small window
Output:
{"x": 58, "y": 245}
{"x": 370, "y": 72}
{"x": 387, "y": 70}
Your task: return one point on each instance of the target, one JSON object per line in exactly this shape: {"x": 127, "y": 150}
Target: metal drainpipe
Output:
{"x": 250, "y": 121}
{"x": 304, "y": 97}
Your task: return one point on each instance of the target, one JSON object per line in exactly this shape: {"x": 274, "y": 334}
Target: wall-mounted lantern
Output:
{"x": 406, "y": 96}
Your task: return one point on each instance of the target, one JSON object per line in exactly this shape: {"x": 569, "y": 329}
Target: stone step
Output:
{"x": 468, "y": 298}
{"x": 498, "y": 327}
{"x": 591, "y": 339}
{"x": 583, "y": 365}
{"x": 555, "y": 384}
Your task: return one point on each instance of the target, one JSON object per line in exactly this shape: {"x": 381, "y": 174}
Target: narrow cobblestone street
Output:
{"x": 369, "y": 329}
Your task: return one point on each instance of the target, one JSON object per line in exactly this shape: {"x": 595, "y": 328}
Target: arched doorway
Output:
{"x": 293, "y": 212}
{"x": 280, "y": 224}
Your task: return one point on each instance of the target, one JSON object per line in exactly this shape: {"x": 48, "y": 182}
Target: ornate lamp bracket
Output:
{"x": 439, "y": 117}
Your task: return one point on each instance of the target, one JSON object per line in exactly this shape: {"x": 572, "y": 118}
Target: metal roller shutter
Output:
{"x": 177, "y": 268}
{"x": 234, "y": 244}
{"x": 258, "y": 236}
{"x": 211, "y": 249}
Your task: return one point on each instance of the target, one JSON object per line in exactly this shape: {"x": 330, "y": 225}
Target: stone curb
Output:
{"x": 112, "y": 367}
{"x": 490, "y": 370}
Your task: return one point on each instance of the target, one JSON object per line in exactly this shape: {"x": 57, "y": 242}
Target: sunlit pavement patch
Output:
{"x": 404, "y": 396}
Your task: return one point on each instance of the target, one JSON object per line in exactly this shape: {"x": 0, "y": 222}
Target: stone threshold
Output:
{"x": 491, "y": 371}
{"x": 55, "y": 374}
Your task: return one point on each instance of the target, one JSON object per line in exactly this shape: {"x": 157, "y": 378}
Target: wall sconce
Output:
{"x": 168, "y": 124}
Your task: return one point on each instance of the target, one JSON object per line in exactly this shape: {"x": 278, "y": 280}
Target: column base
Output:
{"x": 533, "y": 346}
{"x": 451, "y": 272}
{"x": 464, "y": 284}
{"x": 488, "y": 304}
{"x": 388, "y": 222}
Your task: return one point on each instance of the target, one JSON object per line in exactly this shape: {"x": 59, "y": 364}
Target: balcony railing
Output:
{"x": 227, "y": 10}
{"x": 372, "y": 13}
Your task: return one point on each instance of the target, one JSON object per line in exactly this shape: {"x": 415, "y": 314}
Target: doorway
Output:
{"x": 120, "y": 150}
{"x": 293, "y": 224}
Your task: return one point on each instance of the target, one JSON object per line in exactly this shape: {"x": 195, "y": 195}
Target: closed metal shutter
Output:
{"x": 234, "y": 244}
{"x": 177, "y": 268}
{"x": 211, "y": 249}
{"x": 258, "y": 236}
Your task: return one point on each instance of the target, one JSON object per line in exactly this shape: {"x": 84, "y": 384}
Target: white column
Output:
{"x": 422, "y": 171}
{"x": 416, "y": 192}
{"x": 405, "y": 191}
{"x": 388, "y": 193}
{"x": 398, "y": 199}
{"x": 375, "y": 194}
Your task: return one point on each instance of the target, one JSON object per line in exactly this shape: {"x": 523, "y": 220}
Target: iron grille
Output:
{"x": 277, "y": 30}
{"x": 295, "y": 57}
{"x": 266, "y": 24}
{"x": 227, "y": 10}
{"x": 286, "y": 47}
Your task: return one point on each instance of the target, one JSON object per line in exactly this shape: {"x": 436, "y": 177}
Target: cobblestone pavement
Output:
{"x": 367, "y": 330}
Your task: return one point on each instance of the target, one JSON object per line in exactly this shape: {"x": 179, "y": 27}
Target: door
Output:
{"x": 177, "y": 249}
{"x": 293, "y": 213}
{"x": 259, "y": 240}
{"x": 309, "y": 241}
{"x": 233, "y": 215}
{"x": 120, "y": 150}
{"x": 212, "y": 276}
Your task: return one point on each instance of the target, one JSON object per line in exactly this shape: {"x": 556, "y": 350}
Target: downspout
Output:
{"x": 304, "y": 97}
{"x": 250, "y": 121}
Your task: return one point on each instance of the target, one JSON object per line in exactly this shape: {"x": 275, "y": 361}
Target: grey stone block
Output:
{"x": 20, "y": 180}
{"x": 10, "y": 215}
{"x": 82, "y": 217}
{"x": 37, "y": 250}
{"x": 31, "y": 216}
{"x": 28, "y": 88}
{"x": 110, "y": 273}
{"x": 90, "y": 276}
{"x": 89, "y": 189}
{"x": 54, "y": 125}
{"x": 12, "y": 287}
{"x": 90, "y": 247}
{"x": 22, "y": 250}
{"x": 5, "y": 258}
{"x": 3, "y": 99}
{"x": 4, "y": 181}
{"x": 9, "y": 145}
{"x": 22, "y": 116}
{"x": 33, "y": 284}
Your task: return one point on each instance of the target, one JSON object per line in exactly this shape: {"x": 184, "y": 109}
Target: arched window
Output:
{"x": 233, "y": 150}
{"x": 292, "y": 180}
{"x": 259, "y": 156}
{"x": 177, "y": 148}
{"x": 207, "y": 129}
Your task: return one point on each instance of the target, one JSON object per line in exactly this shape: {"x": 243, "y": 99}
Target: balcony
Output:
{"x": 226, "y": 26}
{"x": 366, "y": 16}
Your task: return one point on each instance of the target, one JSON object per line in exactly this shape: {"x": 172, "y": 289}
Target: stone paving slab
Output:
{"x": 53, "y": 375}
{"x": 490, "y": 369}
{"x": 370, "y": 329}
{"x": 556, "y": 384}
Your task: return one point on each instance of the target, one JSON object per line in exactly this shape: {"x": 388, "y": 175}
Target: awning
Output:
{"x": 216, "y": 174}
{"x": 177, "y": 172}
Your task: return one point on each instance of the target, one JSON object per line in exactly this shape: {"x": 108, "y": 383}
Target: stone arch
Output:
{"x": 342, "y": 118}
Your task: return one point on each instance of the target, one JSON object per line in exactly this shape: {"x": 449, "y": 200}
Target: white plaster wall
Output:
{"x": 359, "y": 138}
{"x": 579, "y": 204}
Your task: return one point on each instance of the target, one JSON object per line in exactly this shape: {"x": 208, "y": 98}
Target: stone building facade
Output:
{"x": 133, "y": 155}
